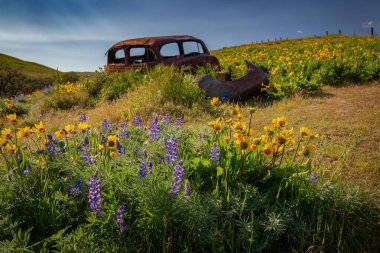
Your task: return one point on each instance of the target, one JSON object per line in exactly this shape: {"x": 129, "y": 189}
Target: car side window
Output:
{"x": 192, "y": 48}
{"x": 141, "y": 55}
{"x": 117, "y": 57}
{"x": 170, "y": 50}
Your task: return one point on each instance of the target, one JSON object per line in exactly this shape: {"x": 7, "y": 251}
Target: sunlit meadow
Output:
{"x": 144, "y": 181}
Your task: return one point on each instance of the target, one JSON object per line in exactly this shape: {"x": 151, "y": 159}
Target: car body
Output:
{"x": 180, "y": 51}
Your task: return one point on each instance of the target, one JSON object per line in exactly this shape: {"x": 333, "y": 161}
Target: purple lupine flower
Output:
{"x": 105, "y": 125}
{"x": 166, "y": 119}
{"x": 123, "y": 134}
{"x": 136, "y": 121}
{"x": 171, "y": 147}
{"x": 88, "y": 160}
{"x": 76, "y": 190}
{"x": 313, "y": 177}
{"x": 179, "y": 121}
{"x": 145, "y": 169}
{"x": 214, "y": 153}
{"x": 82, "y": 118}
{"x": 120, "y": 148}
{"x": 177, "y": 179}
{"x": 154, "y": 129}
{"x": 84, "y": 147}
{"x": 103, "y": 140}
{"x": 52, "y": 146}
{"x": 94, "y": 197}
{"x": 120, "y": 222}
{"x": 187, "y": 188}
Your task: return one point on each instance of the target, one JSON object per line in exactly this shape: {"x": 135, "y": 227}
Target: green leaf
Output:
{"x": 219, "y": 171}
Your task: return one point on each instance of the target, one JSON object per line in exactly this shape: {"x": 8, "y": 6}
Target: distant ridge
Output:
{"x": 30, "y": 69}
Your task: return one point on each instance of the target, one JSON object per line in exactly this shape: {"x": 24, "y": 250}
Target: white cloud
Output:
{"x": 300, "y": 32}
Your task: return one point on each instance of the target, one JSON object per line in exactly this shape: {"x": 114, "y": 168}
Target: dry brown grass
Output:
{"x": 348, "y": 122}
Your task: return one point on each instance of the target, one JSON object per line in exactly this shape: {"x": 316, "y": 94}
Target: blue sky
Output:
{"x": 73, "y": 35}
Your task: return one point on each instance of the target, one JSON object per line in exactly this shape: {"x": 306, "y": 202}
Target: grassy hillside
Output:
{"x": 308, "y": 63}
{"x": 23, "y": 77}
{"x": 31, "y": 69}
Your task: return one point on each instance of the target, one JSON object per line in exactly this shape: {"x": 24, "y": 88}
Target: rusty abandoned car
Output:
{"x": 183, "y": 51}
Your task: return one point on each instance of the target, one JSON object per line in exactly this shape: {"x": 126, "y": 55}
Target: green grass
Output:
{"x": 31, "y": 69}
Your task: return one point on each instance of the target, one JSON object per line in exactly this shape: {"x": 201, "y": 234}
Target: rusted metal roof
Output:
{"x": 153, "y": 41}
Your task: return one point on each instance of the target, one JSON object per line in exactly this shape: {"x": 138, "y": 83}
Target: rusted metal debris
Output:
{"x": 241, "y": 89}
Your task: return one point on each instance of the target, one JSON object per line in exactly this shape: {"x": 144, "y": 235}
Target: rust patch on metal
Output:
{"x": 241, "y": 89}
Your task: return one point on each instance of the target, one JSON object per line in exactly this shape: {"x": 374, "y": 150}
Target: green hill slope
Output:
{"x": 30, "y": 69}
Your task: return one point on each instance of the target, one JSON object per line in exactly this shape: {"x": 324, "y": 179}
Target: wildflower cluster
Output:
{"x": 276, "y": 142}
{"x": 68, "y": 87}
{"x": 301, "y": 64}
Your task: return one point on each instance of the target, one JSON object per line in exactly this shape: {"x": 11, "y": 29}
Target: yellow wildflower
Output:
{"x": 281, "y": 138}
{"x": 12, "y": 118}
{"x": 11, "y": 148}
{"x": 6, "y": 133}
{"x": 238, "y": 126}
{"x": 236, "y": 110}
{"x": 227, "y": 120}
{"x": 242, "y": 143}
{"x": 39, "y": 128}
{"x": 252, "y": 147}
{"x": 111, "y": 141}
{"x": 24, "y": 132}
{"x": 280, "y": 121}
{"x": 306, "y": 151}
{"x": 305, "y": 132}
{"x": 216, "y": 125}
{"x": 226, "y": 138}
{"x": 267, "y": 150}
{"x": 113, "y": 154}
{"x": 101, "y": 147}
{"x": 292, "y": 143}
{"x": 269, "y": 129}
{"x": 43, "y": 144}
{"x": 69, "y": 128}
{"x": 264, "y": 138}
{"x": 239, "y": 116}
{"x": 60, "y": 134}
{"x": 3, "y": 141}
{"x": 214, "y": 101}
{"x": 83, "y": 126}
